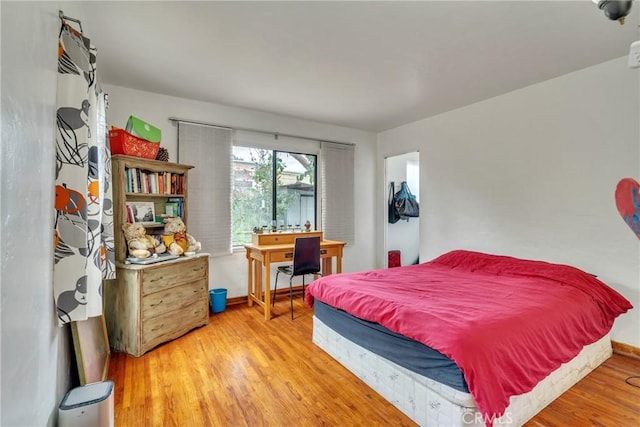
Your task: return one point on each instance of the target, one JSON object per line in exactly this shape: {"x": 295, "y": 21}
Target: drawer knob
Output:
{"x": 157, "y": 304}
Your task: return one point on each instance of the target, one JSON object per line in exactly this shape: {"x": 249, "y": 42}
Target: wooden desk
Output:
{"x": 260, "y": 256}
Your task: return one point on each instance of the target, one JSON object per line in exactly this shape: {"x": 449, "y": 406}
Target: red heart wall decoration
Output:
{"x": 628, "y": 203}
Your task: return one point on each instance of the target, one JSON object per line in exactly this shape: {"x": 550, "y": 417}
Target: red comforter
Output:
{"x": 506, "y": 322}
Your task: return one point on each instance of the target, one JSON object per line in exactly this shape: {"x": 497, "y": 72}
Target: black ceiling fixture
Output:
{"x": 616, "y": 10}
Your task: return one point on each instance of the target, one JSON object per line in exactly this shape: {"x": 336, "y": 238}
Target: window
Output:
{"x": 268, "y": 193}
{"x": 235, "y": 184}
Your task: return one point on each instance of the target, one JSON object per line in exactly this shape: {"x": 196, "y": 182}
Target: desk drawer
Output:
{"x": 173, "y": 298}
{"x": 286, "y": 254}
{"x": 331, "y": 251}
{"x": 163, "y": 277}
{"x": 275, "y": 239}
{"x": 281, "y": 238}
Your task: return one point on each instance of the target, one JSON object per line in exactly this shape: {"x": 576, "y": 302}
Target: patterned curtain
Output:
{"x": 83, "y": 228}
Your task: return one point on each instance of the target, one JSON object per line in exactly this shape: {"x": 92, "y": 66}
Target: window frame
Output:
{"x": 236, "y": 247}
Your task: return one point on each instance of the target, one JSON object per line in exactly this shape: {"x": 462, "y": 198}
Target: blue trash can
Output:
{"x": 218, "y": 300}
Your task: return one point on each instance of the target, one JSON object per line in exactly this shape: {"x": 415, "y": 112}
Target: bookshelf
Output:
{"x": 148, "y": 305}
{"x": 141, "y": 182}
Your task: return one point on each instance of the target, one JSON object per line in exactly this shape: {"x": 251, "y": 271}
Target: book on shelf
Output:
{"x": 174, "y": 179}
{"x": 167, "y": 183}
{"x": 130, "y": 218}
{"x": 134, "y": 179}
{"x": 171, "y": 209}
{"x": 139, "y": 183}
{"x": 147, "y": 182}
{"x": 161, "y": 183}
{"x": 179, "y": 201}
{"x": 131, "y": 181}
{"x": 153, "y": 183}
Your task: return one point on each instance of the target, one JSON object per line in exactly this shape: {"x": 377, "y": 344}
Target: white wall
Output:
{"x": 36, "y": 362}
{"x": 231, "y": 271}
{"x": 403, "y": 235}
{"x": 532, "y": 174}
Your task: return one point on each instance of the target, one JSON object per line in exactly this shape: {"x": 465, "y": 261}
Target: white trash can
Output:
{"x": 89, "y": 405}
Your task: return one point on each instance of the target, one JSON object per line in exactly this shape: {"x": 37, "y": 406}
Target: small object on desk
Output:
{"x": 307, "y": 226}
{"x": 189, "y": 253}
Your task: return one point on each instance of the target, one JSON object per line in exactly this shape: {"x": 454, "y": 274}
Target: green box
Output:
{"x": 142, "y": 129}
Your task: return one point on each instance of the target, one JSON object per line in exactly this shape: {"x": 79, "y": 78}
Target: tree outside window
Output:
{"x": 258, "y": 180}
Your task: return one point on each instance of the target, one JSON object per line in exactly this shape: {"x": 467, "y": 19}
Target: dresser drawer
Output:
{"x": 166, "y": 276}
{"x": 173, "y": 324}
{"x": 174, "y": 298}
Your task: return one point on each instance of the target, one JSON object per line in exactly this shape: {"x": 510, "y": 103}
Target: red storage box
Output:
{"x": 122, "y": 142}
{"x": 393, "y": 259}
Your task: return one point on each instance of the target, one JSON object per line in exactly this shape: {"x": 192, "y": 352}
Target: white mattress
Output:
{"x": 430, "y": 403}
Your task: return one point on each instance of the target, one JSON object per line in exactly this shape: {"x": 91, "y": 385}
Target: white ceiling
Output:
{"x": 365, "y": 65}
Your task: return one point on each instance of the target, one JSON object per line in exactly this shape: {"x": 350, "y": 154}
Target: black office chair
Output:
{"x": 306, "y": 260}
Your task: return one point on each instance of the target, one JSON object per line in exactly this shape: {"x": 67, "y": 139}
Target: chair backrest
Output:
{"x": 306, "y": 255}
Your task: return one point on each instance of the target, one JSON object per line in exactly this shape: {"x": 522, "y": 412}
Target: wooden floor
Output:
{"x": 242, "y": 371}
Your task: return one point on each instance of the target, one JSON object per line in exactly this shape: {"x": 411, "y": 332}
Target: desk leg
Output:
{"x": 327, "y": 266}
{"x": 250, "y": 267}
{"x": 339, "y": 263}
{"x": 257, "y": 280}
{"x": 267, "y": 288}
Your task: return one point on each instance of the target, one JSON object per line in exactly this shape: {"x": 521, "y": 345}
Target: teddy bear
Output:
{"x": 140, "y": 244}
{"x": 177, "y": 239}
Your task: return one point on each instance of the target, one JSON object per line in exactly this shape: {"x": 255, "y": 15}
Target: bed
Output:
{"x": 468, "y": 338}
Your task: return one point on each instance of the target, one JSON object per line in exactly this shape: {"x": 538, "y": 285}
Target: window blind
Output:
{"x": 208, "y": 149}
{"x": 244, "y": 138}
{"x": 337, "y": 179}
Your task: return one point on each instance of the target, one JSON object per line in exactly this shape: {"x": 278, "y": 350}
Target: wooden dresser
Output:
{"x": 148, "y": 305}
{"x": 152, "y": 304}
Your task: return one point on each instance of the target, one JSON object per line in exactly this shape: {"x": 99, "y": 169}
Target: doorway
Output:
{"x": 404, "y": 235}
